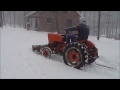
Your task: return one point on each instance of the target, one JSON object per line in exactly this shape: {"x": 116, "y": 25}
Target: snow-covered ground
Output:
{"x": 19, "y": 62}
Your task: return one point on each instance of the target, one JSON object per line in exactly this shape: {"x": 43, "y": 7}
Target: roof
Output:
{"x": 30, "y": 13}
{"x": 79, "y": 13}
{"x": 38, "y": 11}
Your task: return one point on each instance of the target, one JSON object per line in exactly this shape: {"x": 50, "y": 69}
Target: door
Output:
{"x": 69, "y": 23}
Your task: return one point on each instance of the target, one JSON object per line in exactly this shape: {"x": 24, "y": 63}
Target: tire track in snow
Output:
{"x": 105, "y": 62}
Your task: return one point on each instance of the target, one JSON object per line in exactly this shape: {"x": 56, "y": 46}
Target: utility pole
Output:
{"x": 99, "y": 16}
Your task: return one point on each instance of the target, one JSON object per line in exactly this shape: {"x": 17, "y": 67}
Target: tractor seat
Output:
{"x": 79, "y": 40}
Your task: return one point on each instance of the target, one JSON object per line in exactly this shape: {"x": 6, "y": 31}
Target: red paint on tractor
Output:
{"x": 52, "y": 37}
{"x": 89, "y": 44}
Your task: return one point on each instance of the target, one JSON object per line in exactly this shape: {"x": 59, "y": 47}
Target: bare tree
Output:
{"x": 108, "y": 23}
{"x": 0, "y": 18}
{"x": 14, "y": 19}
{"x": 57, "y": 21}
{"x": 24, "y": 20}
{"x": 19, "y": 20}
{"x": 83, "y": 13}
{"x": 112, "y": 21}
{"x": 99, "y": 16}
{"x": 10, "y": 17}
{"x": 117, "y": 22}
{"x": 94, "y": 23}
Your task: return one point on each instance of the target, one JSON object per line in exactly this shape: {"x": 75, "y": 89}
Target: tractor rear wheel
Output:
{"x": 75, "y": 55}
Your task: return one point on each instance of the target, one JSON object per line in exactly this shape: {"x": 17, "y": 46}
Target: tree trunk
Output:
{"x": 94, "y": 23}
{"x": 0, "y": 18}
{"x": 14, "y": 19}
{"x": 19, "y": 20}
{"x": 57, "y": 26}
{"x": 112, "y": 36}
{"x": 24, "y": 20}
{"x": 99, "y": 16}
{"x": 89, "y": 21}
{"x": 116, "y": 27}
{"x": 85, "y": 14}
{"x": 108, "y": 17}
{"x": 10, "y": 17}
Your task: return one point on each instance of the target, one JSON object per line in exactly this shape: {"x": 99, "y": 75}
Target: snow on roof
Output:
{"x": 37, "y": 11}
{"x": 30, "y": 13}
{"x": 79, "y": 13}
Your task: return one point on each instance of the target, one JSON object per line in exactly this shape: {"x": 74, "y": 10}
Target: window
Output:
{"x": 69, "y": 23}
{"x": 49, "y": 20}
{"x": 64, "y": 11}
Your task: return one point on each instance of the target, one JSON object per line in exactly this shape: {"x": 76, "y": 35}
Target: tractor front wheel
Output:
{"x": 46, "y": 52}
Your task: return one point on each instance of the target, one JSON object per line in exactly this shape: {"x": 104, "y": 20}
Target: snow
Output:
{"x": 36, "y": 11}
{"x": 18, "y": 61}
{"x": 79, "y": 13}
{"x": 30, "y": 13}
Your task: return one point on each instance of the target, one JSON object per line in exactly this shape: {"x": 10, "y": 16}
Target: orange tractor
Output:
{"x": 75, "y": 54}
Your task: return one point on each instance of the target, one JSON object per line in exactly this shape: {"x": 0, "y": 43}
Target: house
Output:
{"x": 53, "y": 21}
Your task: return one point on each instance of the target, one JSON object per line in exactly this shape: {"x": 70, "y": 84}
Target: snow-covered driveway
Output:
{"x": 19, "y": 62}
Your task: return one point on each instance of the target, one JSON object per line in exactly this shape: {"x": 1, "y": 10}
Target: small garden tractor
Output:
{"x": 76, "y": 54}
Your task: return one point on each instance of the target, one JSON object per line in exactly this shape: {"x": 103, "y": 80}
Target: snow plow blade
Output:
{"x": 36, "y": 48}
